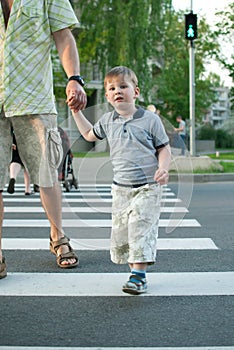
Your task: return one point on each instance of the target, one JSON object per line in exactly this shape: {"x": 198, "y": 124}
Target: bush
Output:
{"x": 206, "y": 132}
{"x": 222, "y": 138}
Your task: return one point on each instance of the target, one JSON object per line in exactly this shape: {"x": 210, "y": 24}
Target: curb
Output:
{"x": 200, "y": 178}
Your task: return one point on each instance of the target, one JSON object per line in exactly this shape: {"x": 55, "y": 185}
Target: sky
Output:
{"x": 207, "y": 9}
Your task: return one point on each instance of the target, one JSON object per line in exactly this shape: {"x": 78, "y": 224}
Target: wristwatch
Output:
{"x": 78, "y": 78}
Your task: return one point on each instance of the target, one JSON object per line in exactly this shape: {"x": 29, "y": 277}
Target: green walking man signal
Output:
{"x": 190, "y": 26}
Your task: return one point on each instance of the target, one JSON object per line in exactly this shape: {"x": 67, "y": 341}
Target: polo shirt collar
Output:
{"x": 138, "y": 114}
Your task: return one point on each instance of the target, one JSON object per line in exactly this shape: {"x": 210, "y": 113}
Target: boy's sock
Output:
{"x": 140, "y": 273}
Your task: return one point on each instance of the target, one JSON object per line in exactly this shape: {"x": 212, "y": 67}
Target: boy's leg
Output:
{"x": 119, "y": 248}
{"x": 142, "y": 233}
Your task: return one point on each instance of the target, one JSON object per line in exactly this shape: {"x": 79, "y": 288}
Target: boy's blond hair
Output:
{"x": 121, "y": 70}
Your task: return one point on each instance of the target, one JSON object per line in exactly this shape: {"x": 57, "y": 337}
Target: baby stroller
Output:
{"x": 65, "y": 169}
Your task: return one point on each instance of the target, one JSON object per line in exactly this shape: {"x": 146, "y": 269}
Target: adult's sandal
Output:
{"x": 3, "y": 271}
{"x": 55, "y": 245}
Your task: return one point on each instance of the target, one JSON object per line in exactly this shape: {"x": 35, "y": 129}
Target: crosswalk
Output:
{"x": 90, "y": 197}
{"x": 89, "y": 207}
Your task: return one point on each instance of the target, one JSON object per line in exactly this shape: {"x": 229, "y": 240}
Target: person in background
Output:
{"x": 140, "y": 156}
{"x": 152, "y": 108}
{"x": 181, "y": 130}
{"x": 15, "y": 167}
{"x": 27, "y": 32}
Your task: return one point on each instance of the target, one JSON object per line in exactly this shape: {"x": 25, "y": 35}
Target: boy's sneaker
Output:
{"x": 135, "y": 285}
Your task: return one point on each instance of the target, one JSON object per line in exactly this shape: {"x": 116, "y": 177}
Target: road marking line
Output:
{"x": 84, "y": 195}
{"x": 116, "y": 348}
{"x": 92, "y": 186}
{"x": 92, "y": 209}
{"x": 104, "y": 244}
{"x": 93, "y": 223}
{"x": 98, "y": 284}
{"x": 80, "y": 200}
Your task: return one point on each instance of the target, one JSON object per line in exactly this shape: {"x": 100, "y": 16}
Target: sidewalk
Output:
{"x": 99, "y": 170}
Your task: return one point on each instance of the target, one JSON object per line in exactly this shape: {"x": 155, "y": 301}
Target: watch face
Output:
{"x": 81, "y": 81}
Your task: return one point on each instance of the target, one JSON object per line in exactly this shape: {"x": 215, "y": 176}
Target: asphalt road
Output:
{"x": 181, "y": 310}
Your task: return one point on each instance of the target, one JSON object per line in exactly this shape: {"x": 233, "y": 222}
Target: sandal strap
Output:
{"x": 138, "y": 278}
{"x": 62, "y": 241}
{"x": 66, "y": 256}
{"x": 3, "y": 272}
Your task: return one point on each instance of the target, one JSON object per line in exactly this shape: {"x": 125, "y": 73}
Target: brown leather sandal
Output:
{"x": 3, "y": 271}
{"x": 54, "y": 246}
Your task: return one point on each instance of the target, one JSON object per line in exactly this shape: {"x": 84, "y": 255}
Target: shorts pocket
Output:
{"x": 55, "y": 149}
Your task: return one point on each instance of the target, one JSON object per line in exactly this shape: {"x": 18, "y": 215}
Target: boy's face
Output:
{"x": 121, "y": 93}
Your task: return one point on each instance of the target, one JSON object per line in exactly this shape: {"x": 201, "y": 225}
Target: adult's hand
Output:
{"x": 76, "y": 96}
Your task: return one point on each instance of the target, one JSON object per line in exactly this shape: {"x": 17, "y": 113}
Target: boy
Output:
{"x": 140, "y": 156}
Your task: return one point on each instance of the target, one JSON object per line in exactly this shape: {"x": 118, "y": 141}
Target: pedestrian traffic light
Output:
{"x": 190, "y": 26}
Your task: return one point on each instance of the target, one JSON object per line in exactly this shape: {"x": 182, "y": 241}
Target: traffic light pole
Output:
{"x": 192, "y": 97}
{"x": 192, "y": 94}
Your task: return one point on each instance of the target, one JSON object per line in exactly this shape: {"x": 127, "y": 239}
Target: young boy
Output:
{"x": 140, "y": 154}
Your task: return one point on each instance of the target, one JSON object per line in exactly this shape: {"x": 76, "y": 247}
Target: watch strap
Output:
{"x": 77, "y": 78}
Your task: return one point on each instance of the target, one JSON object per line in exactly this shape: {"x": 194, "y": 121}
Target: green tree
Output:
{"x": 225, "y": 31}
{"x": 122, "y": 33}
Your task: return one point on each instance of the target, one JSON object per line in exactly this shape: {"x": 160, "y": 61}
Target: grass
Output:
{"x": 227, "y": 167}
{"x": 91, "y": 154}
{"x": 228, "y": 156}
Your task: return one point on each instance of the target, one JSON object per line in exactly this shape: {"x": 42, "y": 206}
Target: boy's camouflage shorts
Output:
{"x": 39, "y": 146}
{"x": 135, "y": 219}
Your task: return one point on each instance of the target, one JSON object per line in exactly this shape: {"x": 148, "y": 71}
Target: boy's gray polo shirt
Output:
{"x": 133, "y": 144}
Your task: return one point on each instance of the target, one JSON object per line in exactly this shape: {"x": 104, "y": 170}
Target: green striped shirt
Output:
{"x": 26, "y": 82}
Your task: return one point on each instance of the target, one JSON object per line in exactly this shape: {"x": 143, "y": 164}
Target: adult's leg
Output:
{"x": 1, "y": 221}
{"x": 51, "y": 199}
{"x": 3, "y": 271}
{"x": 27, "y": 182}
{"x": 14, "y": 170}
{"x": 5, "y": 157}
{"x": 37, "y": 132}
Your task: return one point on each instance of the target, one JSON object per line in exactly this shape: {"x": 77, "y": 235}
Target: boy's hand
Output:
{"x": 161, "y": 176}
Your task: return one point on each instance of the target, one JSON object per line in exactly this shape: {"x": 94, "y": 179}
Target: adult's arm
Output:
{"x": 69, "y": 56}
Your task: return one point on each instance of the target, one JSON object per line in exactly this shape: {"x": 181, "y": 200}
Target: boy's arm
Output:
{"x": 84, "y": 126}
{"x": 164, "y": 159}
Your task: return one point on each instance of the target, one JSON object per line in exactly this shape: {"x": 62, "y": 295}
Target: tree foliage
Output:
{"x": 122, "y": 33}
{"x": 225, "y": 30}
{"x": 148, "y": 36}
